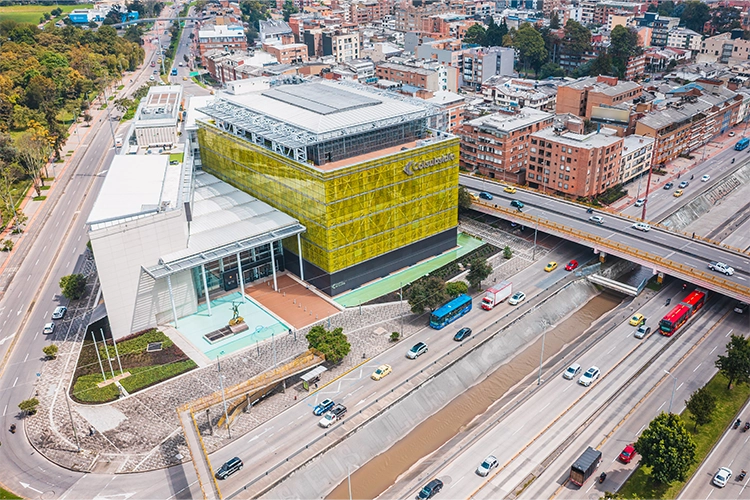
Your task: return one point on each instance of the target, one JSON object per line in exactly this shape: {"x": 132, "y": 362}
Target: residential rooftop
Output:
{"x": 605, "y": 137}
{"x": 508, "y": 123}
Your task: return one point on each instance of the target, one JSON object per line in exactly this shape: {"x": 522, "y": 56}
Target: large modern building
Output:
{"x": 158, "y": 117}
{"x": 374, "y": 186}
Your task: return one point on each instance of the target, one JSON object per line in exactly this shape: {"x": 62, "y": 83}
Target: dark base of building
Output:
{"x": 379, "y": 267}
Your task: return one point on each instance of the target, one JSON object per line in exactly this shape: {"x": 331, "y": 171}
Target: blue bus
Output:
{"x": 450, "y": 312}
{"x": 742, "y": 144}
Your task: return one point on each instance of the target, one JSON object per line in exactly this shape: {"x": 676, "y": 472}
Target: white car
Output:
{"x": 49, "y": 328}
{"x": 640, "y": 202}
{"x": 721, "y": 268}
{"x": 572, "y": 371}
{"x": 642, "y": 226}
{"x": 588, "y": 377}
{"x": 722, "y": 476}
{"x": 416, "y": 351}
{"x": 596, "y": 219}
{"x": 59, "y": 312}
{"x": 517, "y": 298}
{"x": 705, "y": 178}
{"x": 487, "y": 465}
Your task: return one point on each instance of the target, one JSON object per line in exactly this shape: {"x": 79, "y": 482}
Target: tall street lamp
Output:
{"x": 674, "y": 386}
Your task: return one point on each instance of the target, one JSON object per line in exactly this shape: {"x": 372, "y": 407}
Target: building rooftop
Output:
{"x": 405, "y": 67}
{"x": 136, "y": 186}
{"x": 605, "y": 137}
{"x": 221, "y": 30}
{"x": 508, "y": 123}
{"x": 631, "y": 142}
{"x": 443, "y": 97}
{"x": 161, "y": 106}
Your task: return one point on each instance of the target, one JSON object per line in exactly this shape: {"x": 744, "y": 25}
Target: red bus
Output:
{"x": 681, "y": 313}
{"x": 674, "y": 319}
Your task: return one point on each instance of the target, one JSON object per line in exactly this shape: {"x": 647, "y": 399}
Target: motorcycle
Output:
{"x": 732, "y": 160}
{"x": 668, "y": 301}
{"x": 737, "y": 423}
{"x": 590, "y": 211}
{"x": 12, "y": 428}
{"x": 602, "y": 477}
{"x": 742, "y": 475}
{"x": 747, "y": 426}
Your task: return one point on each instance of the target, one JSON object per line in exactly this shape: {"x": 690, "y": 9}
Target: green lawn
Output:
{"x": 32, "y": 13}
{"x": 176, "y": 157}
{"x": 5, "y": 494}
{"x": 728, "y": 403}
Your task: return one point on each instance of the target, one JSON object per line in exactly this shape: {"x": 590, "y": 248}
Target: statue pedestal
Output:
{"x": 239, "y": 327}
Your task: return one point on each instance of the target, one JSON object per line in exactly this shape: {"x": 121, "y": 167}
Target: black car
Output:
{"x": 516, "y": 203}
{"x": 485, "y": 196}
{"x": 669, "y": 185}
{"x": 431, "y": 489}
{"x": 462, "y": 334}
{"x": 229, "y": 468}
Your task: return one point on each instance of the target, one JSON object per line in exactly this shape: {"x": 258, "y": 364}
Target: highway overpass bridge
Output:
{"x": 668, "y": 252}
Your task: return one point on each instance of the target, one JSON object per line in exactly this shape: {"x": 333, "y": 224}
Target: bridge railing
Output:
{"x": 612, "y": 212}
{"x": 661, "y": 263}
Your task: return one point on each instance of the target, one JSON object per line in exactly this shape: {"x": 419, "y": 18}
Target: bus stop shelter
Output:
{"x": 312, "y": 377}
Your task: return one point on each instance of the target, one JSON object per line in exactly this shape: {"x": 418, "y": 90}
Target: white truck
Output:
{"x": 721, "y": 267}
{"x": 496, "y": 294}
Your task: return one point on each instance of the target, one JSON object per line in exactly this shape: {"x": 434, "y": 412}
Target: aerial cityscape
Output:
{"x": 360, "y": 249}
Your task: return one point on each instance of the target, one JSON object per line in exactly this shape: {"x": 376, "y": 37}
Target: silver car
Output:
{"x": 572, "y": 371}
{"x": 588, "y": 377}
{"x": 642, "y": 331}
{"x": 487, "y": 465}
{"x": 417, "y": 350}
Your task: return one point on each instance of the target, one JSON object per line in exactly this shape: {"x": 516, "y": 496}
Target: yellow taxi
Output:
{"x": 551, "y": 266}
{"x": 677, "y": 193}
{"x": 184, "y": 78}
{"x": 474, "y": 196}
{"x": 381, "y": 372}
{"x": 510, "y": 189}
{"x": 637, "y": 319}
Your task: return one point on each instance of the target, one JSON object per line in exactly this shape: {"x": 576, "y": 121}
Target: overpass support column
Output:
{"x": 659, "y": 277}
{"x": 602, "y": 257}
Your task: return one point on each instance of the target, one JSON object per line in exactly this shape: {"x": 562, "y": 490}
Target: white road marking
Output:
{"x": 35, "y": 336}
{"x": 5, "y": 410}
{"x": 301, "y": 417}
{"x": 15, "y": 382}
{"x": 712, "y": 350}
{"x": 545, "y": 406}
{"x": 699, "y": 365}
{"x": 26, "y": 358}
{"x": 659, "y": 408}
{"x": 19, "y": 312}
{"x": 36, "y": 263}
{"x": 461, "y": 479}
{"x": 569, "y": 386}
{"x": 28, "y": 277}
{"x": 2, "y": 341}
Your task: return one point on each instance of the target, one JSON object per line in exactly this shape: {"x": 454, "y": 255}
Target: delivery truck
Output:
{"x": 496, "y": 294}
{"x": 585, "y": 466}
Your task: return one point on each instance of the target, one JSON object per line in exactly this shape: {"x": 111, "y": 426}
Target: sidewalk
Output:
{"x": 678, "y": 166}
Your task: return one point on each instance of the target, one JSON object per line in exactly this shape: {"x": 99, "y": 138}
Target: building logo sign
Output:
{"x": 413, "y": 166}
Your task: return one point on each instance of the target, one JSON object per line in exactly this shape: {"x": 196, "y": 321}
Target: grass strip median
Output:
{"x": 5, "y": 494}
{"x": 728, "y": 402}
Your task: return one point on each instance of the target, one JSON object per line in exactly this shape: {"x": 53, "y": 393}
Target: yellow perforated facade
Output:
{"x": 352, "y": 212}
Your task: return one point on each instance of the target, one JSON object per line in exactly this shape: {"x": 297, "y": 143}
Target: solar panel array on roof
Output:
{"x": 321, "y": 99}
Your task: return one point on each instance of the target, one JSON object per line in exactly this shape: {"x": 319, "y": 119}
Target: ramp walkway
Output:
{"x": 199, "y": 456}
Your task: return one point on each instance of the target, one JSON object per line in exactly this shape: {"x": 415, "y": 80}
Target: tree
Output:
{"x": 50, "y": 351}
{"x": 28, "y": 406}
{"x": 73, "y": 286}
{"x": 289, "y": 9}
{"x": 395, "y": 336}
{"x": 725, "y": 19}
{"x": 576, "y": 40}
{"x": 623, "y": 46}
{"x": 530, "y": 46}
{"x": 667, "y": 447}
{"x": 19, "y": 221}
{"x": 332, "y": 343}
{"x": 507, "y": 252}
{"x": 456, "y": 288}
{"x": 550, "y": 69}
{"x": 602, "y": 65}
{"x": 665, "y": 8}
{"x": 554, "y": 21}
{"x": 34, "y": 150}
{"x": 694, "y": 15}
{"x": 702, "y": 405}
{"x": 479, "y": 270}
{"x": 735, "y": 366}
{"x": 495, "y": 33}
{"x": 123, "y": 104}
{"x": 464, "y": 199}
{"x": 7, "y": 246}
{"x": 428, "y": 292}
{"x": 476, "y": 35}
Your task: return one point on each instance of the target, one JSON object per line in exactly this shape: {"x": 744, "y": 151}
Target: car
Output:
{"x": 640, "y": 202}
{"x": 156, "y": 71}
{"x": 229, "y": 468}
{"x": 487, "y": 465}
{"x": 485, "y": 195}
{"x": 59, "y": 312}
{"x": 517, "y": 204}
{"x": 517, "y": 298}
{"x": 668, "y": 185}
{"x": 430, "y": 489}
{"x": 683, "y": 184}
{"x": 572, "y": 371}
{"x": 335, "y": 413}
{"x": 551, "y": 266}
{"x": 184, "y": 78}
{"x": 463, "y": 333}
{"x": 721, "y": 268}
{"x": 731, "y": 134}
{"x": 628, "y": 454}
{"x": 706, "y": 178}
{"x": 642, "y": 331}
{"x": 151, "y": 78}
{"x": 571, "y": 265}
{"x": 588, "y": 377}
{"x": 49, "y": 328}
{"x": 509, "y": 189}
{"x": 323, "y": 407}
{"x": 637, "y": 320}
{"x": 677, "y": 193}
{"x": 382, "y": 371}
{"x": 417, "y": 350}
{"x": 641, "y": 226}
{"x": 596, "y": 219}
{"x": 722, "y": 476}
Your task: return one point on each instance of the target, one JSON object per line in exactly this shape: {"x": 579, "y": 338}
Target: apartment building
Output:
{"x": 724, "y": 49}
{"x": 497, "y": 145}
{"x": 221, "y": 37}
{"x": 448, "y": 51}
{"x": 368, "y": 11}
{"x": 451, "y": 111}
{"x": 581, "y": 96}
{"x": 226, "y": 66}
{"x": 290, "y": 53}
{"x": 637, "y": 154}
{"x": 690, "y": 117}
{"x": 683, "y": 38}
{"x": 345, "y": 45}
{"x": 439, "y": 77}
{"x": 274, "y": 31}
{"x": 480, "y": 64}
{"x": 574, "y": 164}
{"x": 598, "y": 11}
{"x": 510, "y": 93}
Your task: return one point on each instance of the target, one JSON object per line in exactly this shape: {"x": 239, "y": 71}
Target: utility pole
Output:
{"x": 674, "y": 386}
{"x": 648, "y": 188}
{"x": 223, "y": 396}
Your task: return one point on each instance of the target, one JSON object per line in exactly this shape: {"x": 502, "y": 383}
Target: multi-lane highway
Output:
{"x": 686, "y": 254}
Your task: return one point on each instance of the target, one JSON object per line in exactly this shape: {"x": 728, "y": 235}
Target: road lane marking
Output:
{"x": 26, "y": 358}
{"x": 15, "y": 382}
{"x": 712, "y": 350}
{"x": 699, "y": 365}
{"x": 5, "y": 410}
{"x": 659, "y": 408}
{"x": 545, "y": 406}
{"x": 28, "y": 277}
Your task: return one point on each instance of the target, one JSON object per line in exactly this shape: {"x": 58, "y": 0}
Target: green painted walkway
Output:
{"x": 392, "y": 283}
